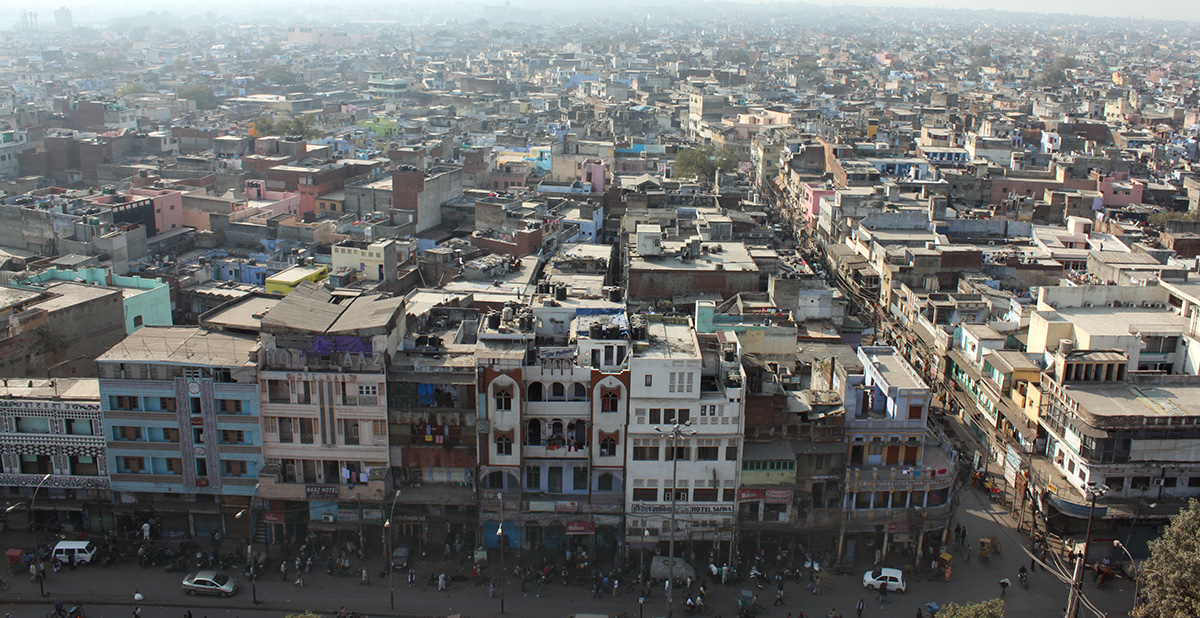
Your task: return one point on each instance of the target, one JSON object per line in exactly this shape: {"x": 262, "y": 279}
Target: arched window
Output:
{"x": 557, "y": 436}
{"x": 503, "y": 445}
{"x": 503, "y": 398}
{"x": 608, "y": 482}
{"x": 558, "y": 392}
{"x": 610, "y": 401}
{"x": 535, "y": 392}
{"x": 578, "y": 392}
{"x": 608, "y": 448}
{"x": 534, "y": 433}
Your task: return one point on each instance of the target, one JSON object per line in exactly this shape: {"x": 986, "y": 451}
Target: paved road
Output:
{"x": 109, "y": 591}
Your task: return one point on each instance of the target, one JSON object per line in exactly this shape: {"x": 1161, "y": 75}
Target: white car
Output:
{"x": 891, "y": 580}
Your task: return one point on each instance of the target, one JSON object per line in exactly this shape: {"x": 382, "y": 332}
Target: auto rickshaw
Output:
{"x": 945, "y": 560}
{"x": 988, "y": 546}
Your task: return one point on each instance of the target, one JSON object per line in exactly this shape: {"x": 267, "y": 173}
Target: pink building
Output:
{"x": 159, "y": 210}
{"x": 277, "y": 202}
{"x": 810, "y": 200}
{"x": 1120, "y": 190}
{"x": 594, "y": 171}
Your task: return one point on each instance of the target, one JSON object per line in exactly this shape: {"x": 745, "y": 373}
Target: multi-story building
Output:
{"x": 898, "y": 482}
{"x": 323, "y": 396}
{"x": 52, "y": 454}
{"x": 180, "y": 409}
{"x": 677, "y": 378}
{"x": 432, "y": 412}
{"x": 555, "y": 378}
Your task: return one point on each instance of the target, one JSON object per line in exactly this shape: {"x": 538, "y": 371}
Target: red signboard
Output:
{"x": 273, "y": 518}
{"x": 749, "y": 495}
{"x": 580, "y": 527}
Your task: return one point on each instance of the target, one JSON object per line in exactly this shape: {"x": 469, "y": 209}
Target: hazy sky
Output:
{"x": 1188, "y": 10}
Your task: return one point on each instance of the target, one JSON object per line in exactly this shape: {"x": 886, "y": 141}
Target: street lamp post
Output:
{"x": 387, "y": 525}
{"x": 676, "y": 434}
{"x": 1137, "y": 576}
{"x": 500, "y": 539}
{"x": 251, "y": 567}
{"x": 1093, "y": 492}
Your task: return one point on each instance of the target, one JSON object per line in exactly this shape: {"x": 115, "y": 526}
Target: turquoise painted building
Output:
{"x": 147, "y": 301}
{"x": 182, "y": 427}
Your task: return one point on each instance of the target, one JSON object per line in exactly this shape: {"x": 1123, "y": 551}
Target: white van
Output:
{"x": 84, "y": 551}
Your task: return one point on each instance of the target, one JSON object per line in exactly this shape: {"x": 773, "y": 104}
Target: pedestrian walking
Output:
{"x": 299, "y": 579}
{"x": 616, "y": 586}
{"x": 146, "y": 531}
{"x": 883, "y": 597}
{"x": 441, "y": 581}
{"x": 1004, "y": 584}
{"x": 1033, "y": 563}
{"x": 539, "y": 588}
{"x": 187, "y": 614}
{"x": 957, "y": 535}
{"x": 412, "y": 578}
{"x": 283, "y": 570}
{"x": 492, "y": 588}
{"x": 137, "y": 612}
{"x": 860, "y": 607}
{"x": 72, "y": 563}
{"x": 779, "y": 595}
{"x": 968, "y": 558}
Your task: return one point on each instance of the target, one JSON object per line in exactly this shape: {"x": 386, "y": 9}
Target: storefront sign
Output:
{"x": 372, "y": 515}
{"x": 321, "y": 492}
{"x": 580, "y": 527}
{"x": 350, "y": 515}
{"x": 693, "y": 509}
{"x": 566, "y": 506}
{"x": 750, "y": 495}
{"x": 273, "y": 518}
{"x": 777, "y": 496}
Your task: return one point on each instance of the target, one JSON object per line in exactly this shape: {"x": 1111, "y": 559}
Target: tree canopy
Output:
{"x": 1169, "y": 580}
{"x": 202, "y": 94}
{"x": 703, "y": 161}
{"x": 280, "y": 75}
{"x": 300, "y": 126}
{"x": 992, "y": 608}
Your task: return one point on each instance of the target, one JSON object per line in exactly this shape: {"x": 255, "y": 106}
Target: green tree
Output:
{"x": 202, "y": 94}
{"x": 1169, "y": 580}
{"x": 132, "y": 88}
{"x": 993, "y": 608}
{"x": 703, "y": 161}
{"x": 280, "y": 75}
{"x": 301, "y": 126}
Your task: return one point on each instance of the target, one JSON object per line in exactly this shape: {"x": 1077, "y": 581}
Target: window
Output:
{"x": 174, "y": 465}
{"x": 171, "y": 434}
{"x": 533, "y": 478}
{"x": 230, "y": 436}
{"x": 580, "y": 478}
{"x": 129, "y": 433}
{"x": 682, "y": 453}
{"x": 914, "y": 412}
{"x": 649, "y": 380}
{"x": 234, "y": 467}
{"x": 137, "y": 321}
{"x": 133, "y": 465}
{"x": 731, "y": 451}
{"x": 368, "y": 390}
{"x": 708, "y": 451}
{"x": 1194, "y": 482}
{"x": 285, "y": 430}
{"x": 123, "y": 402}
{"x": 728, "y": 494}
{"x": 608, "y": 447}
{"x": 195, "y": 406}
{"x": 606, "y": 482}
{"x": 1115, "y": 483}
{"x": 1170, "y": 482}
{"x": 645, "y": 450}
{"x": 349, "y": 431}
{"x": 229, "y": 406}
{"x": 306, "y": 430}
{"x": 610, "y": 401}
{"x": 704, "y": 495}
{"x": 646, "y": 494}
{"x": 379, "y": 429}
{"x": 1139, "y": 483}
{"x": 503, "y": 399}
{"x": 655, "y": 416}
{"x": 504, "y": 445}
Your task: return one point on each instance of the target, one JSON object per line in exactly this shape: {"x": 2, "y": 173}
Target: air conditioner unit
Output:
{"x": 329, "y": 519}
{"x": 1156, "y": 482}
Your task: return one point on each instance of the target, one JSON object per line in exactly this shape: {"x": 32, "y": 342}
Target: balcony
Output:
{"x": 898, "y": 515}
{"x": 377, "y": 487}
{"x": 555, "y": 450}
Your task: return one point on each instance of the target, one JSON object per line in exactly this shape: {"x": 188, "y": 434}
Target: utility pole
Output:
{"x": 1093, "y": 491}
{"x": 676, "y": 435}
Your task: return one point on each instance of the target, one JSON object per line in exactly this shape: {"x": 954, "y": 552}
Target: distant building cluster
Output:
{"x": 666, "y": 287}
